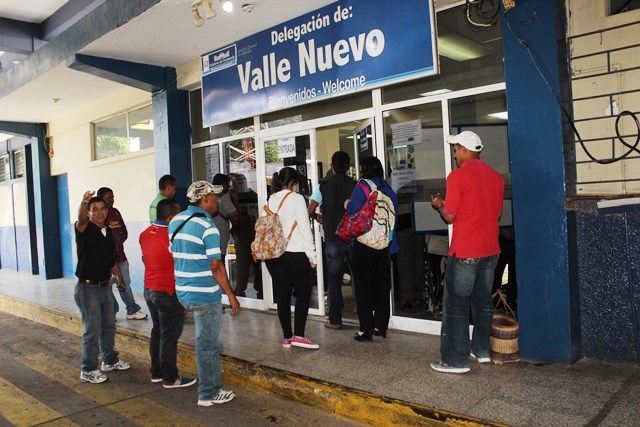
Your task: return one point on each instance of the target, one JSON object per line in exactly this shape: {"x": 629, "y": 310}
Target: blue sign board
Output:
{"x": 338, "y": 49}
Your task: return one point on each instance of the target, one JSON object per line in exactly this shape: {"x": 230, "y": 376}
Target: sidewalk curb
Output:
{"x": 357, "y": 405}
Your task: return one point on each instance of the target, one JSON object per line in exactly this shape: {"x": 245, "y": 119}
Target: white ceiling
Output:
{"x": 164, "y": 35}
{"x": 33, "y": 11}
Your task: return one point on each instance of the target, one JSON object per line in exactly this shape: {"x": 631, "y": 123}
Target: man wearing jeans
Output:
{"x": 335, "y": 190}
{"x": 119, "y": 231}
{"x": 200, "y": 274}
{"x": 166, "y": 311}
{"x": 96, "y": 262}
{"x": 473, "y": 205}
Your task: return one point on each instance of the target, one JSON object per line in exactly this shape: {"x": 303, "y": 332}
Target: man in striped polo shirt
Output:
{"x": 200, "y": 277}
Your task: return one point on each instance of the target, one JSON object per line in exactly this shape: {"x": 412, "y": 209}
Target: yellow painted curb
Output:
{"x": 360, "y": 406}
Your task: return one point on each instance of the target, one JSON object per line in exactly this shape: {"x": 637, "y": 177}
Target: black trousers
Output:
{"x": 372, "y": 279}
{"x": 291, "y": 272}
{"x": 167, "y": 315}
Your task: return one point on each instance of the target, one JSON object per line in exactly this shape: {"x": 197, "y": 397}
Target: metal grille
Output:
{"x": 5, "y": 174}
{"x": 18, "y": 163}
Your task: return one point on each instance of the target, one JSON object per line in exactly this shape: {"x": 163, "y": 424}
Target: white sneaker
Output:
{"x": 94, "y": 377}
{"x": 485, "y": 359}
{"x": 223, "y": 396}
{"x": 120, "y": 365}
{"x": 137, "y": 316}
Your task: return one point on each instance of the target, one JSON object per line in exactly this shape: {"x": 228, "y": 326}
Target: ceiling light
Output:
{"x": 16, "y": 62}
{"x": 459, "y": 48}
{"x": 1, "y": 52}
{"x": 502, "y": 115}
{"x": 435, "y": 92}
{"x": 209, "y": 11}
{"x": 227, "y": 6}
{"x": 197, "y": 19}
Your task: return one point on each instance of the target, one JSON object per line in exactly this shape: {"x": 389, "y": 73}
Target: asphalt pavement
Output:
{"x": 383, "y": 382}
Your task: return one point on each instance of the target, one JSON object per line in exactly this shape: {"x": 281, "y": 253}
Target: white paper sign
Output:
{"x": 286, "y": 147}
{"x": 406, "y": 133}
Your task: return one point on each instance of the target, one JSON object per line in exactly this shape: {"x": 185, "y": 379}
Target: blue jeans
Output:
{"x": 468, "y": 283}
{"x": 126, "y": 295}
{"x": 208, "y": 319}
{"x": 99, "y": 324}
{"x": 336, "y": 252}
{"x": 167, "y": 315}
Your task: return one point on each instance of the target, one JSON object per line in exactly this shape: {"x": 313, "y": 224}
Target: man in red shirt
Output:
{"x": 166, "y": 311}
{"x": 473, "y": 205}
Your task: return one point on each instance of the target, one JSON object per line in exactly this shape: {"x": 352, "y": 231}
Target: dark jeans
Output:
{"x": 167, "y": 315}
{"x": 336, "y": 253}
{"x": 291, "y": 271}
{"x": 372, "y": 275}
{"x": 99, "y": 324}
{"x": 468, "y": 283}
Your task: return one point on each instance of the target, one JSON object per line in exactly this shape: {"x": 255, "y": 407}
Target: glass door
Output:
{"x": 297, "y": 151}
{"x": 236, "y": 158}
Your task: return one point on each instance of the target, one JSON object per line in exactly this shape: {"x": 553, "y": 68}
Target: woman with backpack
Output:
{"x": 372, "y": 267}
{"x": 293, "y": 269}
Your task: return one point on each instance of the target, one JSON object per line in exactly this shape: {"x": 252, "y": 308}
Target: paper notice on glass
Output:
{"x": 406, "y": 133}
{"x": 400, "y": 178}
{"x": 286, "y": 147}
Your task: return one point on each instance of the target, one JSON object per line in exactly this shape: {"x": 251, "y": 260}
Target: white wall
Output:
{"x": 591, "y": 16}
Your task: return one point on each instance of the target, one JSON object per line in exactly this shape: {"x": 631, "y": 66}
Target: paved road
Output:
{"x": 39, "y": 385}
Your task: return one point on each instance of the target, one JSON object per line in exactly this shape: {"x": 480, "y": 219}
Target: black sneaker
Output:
{"x": 180, "y": 382}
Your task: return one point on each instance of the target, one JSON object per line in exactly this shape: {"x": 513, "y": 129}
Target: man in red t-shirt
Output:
{"x": 474, "y": 195}
{"x": 166, "y": 311}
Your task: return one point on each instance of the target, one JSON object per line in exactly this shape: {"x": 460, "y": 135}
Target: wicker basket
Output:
{"x": 504, "y": 334}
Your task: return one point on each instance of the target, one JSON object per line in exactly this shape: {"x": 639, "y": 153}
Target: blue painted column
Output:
{"x": 547, "y": 298}
{"x": 172, "y": 135}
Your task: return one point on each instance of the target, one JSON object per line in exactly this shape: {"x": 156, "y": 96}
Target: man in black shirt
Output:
{"x": 93, "y": 296}
{"x": 335, "y": 190}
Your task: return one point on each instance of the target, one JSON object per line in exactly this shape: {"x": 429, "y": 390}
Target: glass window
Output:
{"x": 469, "y": 57}
{"x": 621, "y": 6}
{"x": 125, "y": 133}
{"x": 415, "y": 152}
{"x": 328, "y": 107}
{"x": 200, "y": 134}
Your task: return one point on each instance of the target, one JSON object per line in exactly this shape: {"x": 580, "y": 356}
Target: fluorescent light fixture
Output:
{"x": 227, "y": 6}
{"x": 459, "y": 48}
{"x": 435, "y": 92}
{"x": 502, "y": 115}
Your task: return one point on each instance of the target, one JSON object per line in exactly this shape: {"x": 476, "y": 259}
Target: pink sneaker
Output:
{"x": 303, "y": 342}
{"x": 286, "y": 343}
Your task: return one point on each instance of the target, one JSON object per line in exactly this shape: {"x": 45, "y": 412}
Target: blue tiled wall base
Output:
{"x": 608, "y": 246}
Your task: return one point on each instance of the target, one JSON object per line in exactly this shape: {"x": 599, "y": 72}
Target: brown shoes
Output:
{"x": 330, "y": 325}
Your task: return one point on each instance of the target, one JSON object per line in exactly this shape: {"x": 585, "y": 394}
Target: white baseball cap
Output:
{"x": 469, "y": 140}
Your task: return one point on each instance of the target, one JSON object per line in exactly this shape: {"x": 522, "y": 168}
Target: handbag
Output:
{"x": 352, "y": 226}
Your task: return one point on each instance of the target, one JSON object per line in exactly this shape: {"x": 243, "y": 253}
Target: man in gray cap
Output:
{"x": 474, "y": 205}
{"x": 200, "y": 276}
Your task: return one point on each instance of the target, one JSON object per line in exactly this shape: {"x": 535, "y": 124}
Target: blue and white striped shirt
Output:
{"x": 194, "y": 245}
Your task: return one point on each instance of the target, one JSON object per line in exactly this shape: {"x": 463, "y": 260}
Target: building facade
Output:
{"x": 525, "y": 80}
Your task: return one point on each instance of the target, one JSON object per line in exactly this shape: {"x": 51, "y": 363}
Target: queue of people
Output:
{"x": 183, "y": 254}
